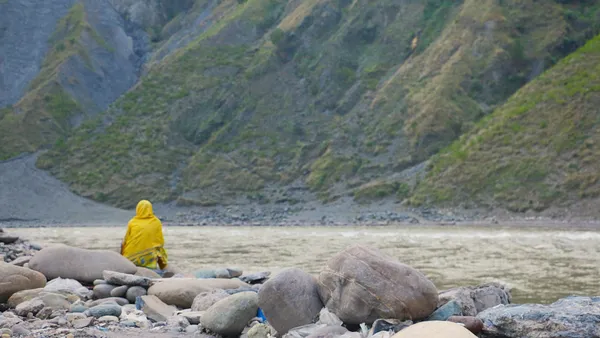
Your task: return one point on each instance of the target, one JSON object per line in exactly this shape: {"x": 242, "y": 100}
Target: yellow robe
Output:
{"x": 144, "y": 242}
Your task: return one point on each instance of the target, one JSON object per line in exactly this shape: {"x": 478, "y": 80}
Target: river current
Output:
{"x": 541, "y": 265}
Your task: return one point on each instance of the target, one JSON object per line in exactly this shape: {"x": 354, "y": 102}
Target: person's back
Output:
{"x": 144, "y": 241}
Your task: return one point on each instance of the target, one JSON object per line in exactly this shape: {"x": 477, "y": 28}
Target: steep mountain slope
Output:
{"x": 539, "y": 149}
{"x": 337, "y": 96}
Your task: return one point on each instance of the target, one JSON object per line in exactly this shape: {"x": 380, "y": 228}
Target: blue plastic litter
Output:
{"x": 261, "y": 315}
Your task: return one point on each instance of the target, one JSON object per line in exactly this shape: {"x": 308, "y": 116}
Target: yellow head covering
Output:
{"x": 144, "y": 241}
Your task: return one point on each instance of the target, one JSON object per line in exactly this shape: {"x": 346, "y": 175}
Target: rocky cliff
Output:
{"x": 233, "y": 101}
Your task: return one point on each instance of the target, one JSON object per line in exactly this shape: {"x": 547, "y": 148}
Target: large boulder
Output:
{"x": 290, "y": 299}
{"x": 473, "y": 300}
{"x": 435, "y": 329}
{"x": 567, "y": 317}
{"x": 181, "y": 292}
{"x": 79, "y": 264}
{"x": 229, "y": 316}
{"x": 360, "y": 285}
{"x": 15, "y": 278}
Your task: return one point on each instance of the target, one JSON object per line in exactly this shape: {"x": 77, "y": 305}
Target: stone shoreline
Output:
{"x": 61, "y": 291}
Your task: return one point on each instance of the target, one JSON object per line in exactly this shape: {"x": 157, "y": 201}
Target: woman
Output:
{"x": 144, "y": 243}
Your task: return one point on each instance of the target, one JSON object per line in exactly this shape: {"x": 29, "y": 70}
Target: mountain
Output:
{"x": 236, "y": 101}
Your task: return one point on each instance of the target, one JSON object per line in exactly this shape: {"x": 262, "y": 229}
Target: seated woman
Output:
{"x": 144, "y": 243}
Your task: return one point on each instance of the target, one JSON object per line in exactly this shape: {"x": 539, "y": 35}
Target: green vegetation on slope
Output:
{"x": 539, "y": 149}
{"x": 330, "y": 93}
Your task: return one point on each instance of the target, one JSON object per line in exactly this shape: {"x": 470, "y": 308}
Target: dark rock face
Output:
{"x": 573, "y": 317}
{"x": 25, "y": 27}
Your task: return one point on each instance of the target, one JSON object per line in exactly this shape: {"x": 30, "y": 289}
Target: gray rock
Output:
{"x": 473, "y": 300}
{"x": 178, "y": 322}
{"x": 8, "y": 239}
{"x": 229, "y": 316}
{"x": 155, "y": 309}
{"x": 361, "y": 285}
{"x": 206, "y": 299}
{"x": 79, "y": 264}
{"x": 99, "y": 281}
{"x": 67, "y": 285}
{"x": 103, "y": 290}
{"x": 242, "y": 289}
{"x": 106, "y": 309}
{"x": 108, "y": 319}
{"x": 573, "y": 317}
{"x": 116, "y": 300}
{"x": 71, "y": 317}
{"x": 20, "y": 261}
{"x": 31, "y": 306}
{"x": 117, "y": 278}
{"x": 23, "y": 296}
{"x": 45, "y": 313}
{"x": 255, "y": 278}
{"x": 290, "y": 300}
{"x": 452, "y": 308}
{"x": 134, "y": 292}
{"x": 143, "y": 272}
{"x": 193, "y": 317}
{"x": 181, "y": 292}
{"x": 205, "y": 273}
{"x": 191, "y": 329}
{"x": 8, "y": 322}
{"x": 14, "y": 279}
{"x": 328, "y": 332}
{"x": 435, "y": 329}
{"x": 120, "y": 291}
{"x": 78, "y": 308}
{"x": 83, "y": 323}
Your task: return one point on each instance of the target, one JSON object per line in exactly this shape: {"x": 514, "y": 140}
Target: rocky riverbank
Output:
{"x": 62, "y": 291}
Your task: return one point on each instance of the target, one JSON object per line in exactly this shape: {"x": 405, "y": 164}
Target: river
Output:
{"x": 541, "y": 265}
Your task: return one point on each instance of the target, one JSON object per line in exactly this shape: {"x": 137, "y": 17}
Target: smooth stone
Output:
{"x": 83, "y": 323}
{"x": 8, "y": 239}
{"x": 31, "y": 306}
{"x": 60, "y": 284}
{"x": 108, "y": 319}
{"x": 235, "y": 272}
{"x": 473, "y": 324}
{"x": 119, "y": 291}
{"x": 354, "y": 282}
{"x": 206, "y": 299}
{"x": 144, "y": 272}
{"x": 254, "y": 278}
{"x": 229, "y": 316}
{"x": 452, "y": 308}
{"x": 181, "y": 292}
{"x": 222, "y": 273}
{"x": 118, "y": 278}
{"x": 103, "y": 290}
{"x": 20, "y": 331}
{"x": 134, "y": 292}
{"x": 106, "y": 309}
{"x": 574, "y": 316}
{"x": 23, "y": 296}
{"x": 290, "y": 299}
{"x": 435, "y": 329}
{"x": 154, "y": 308}
{"x": 206, "y": 273}
{"x": 117, "y": 300}
{"x": 57, "y": 301}
{"x": 243, "y": 289}
{"x": 15, "y": 278}
{"x": 99, "y": 281}
{"x": 79, "y": 264}
{"x": 473, "y": 300}
{"x": 20, "y": 261}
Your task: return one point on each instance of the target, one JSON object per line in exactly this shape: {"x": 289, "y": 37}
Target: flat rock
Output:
{"x": 144, "y": 272}
{"x": 8, "y": 239}
{"x": 435, "y": 329}
{"x": 206, "y": 299}
{"x": 83, "y": 323}
{"x": 31, "y": 306}
{"x": 15, "y": 278}
{"x": 452, "y": 308}
{"x": 20, "y": 261}
{"x": 119, "y": 291}
{"x": 290, "y": 300}
{"x": 229, "y": 316}
{"x": 79, "y": 264}
{"x": 23, "y": 296}
{"x": 118, "y": 278}
{"x": 255, "y": 278}
{"x": 116, "y": 300}
{"x": 361, "y": 285}
{"x": 155, "y": 309}
{"x": 575, "y": 317}
{"x": 134, "y": 292}
{"x": 108, "y": 319}
{"x": 192, "y": 316}
{"x": 181, "y": 292}
{"x": 473, "y": 300}
{"x": 103, "y": 290}
{"x": 106, "y": 309}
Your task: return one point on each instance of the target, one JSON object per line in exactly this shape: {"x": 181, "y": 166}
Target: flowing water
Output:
{"x": 541, "y": 265}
